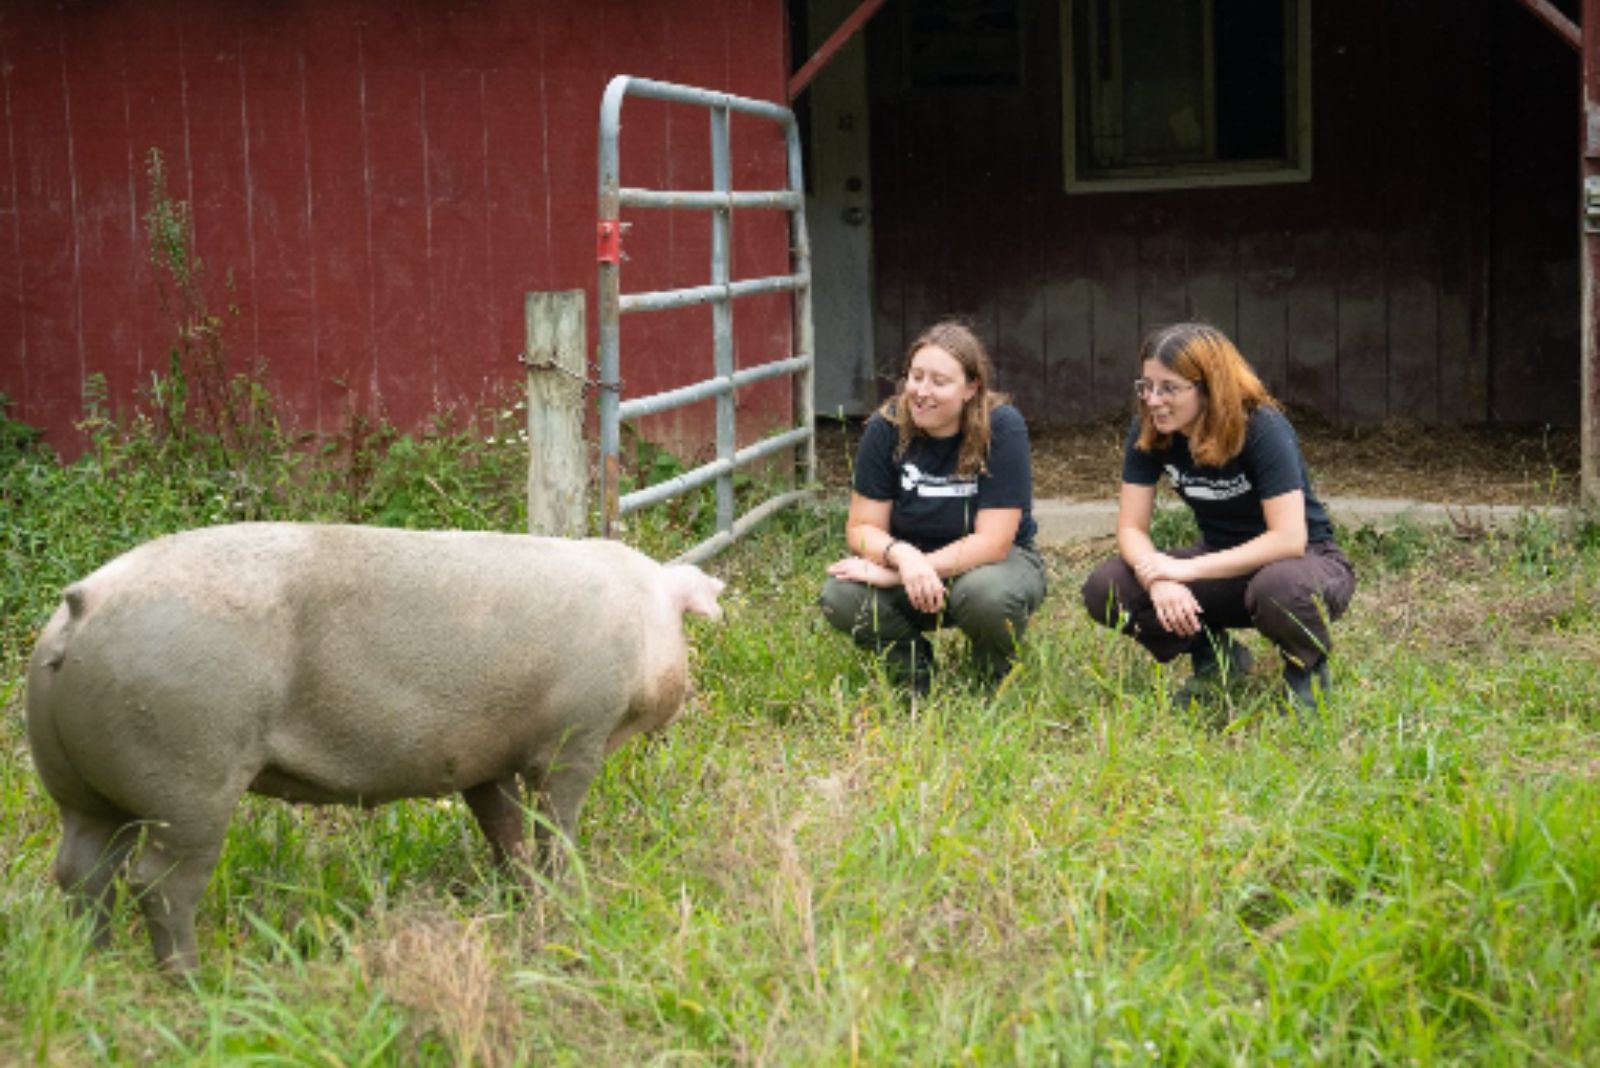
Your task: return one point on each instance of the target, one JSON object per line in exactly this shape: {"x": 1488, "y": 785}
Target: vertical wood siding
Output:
{"x": 1441, "y": 202}
{"x": 374, "y": 186}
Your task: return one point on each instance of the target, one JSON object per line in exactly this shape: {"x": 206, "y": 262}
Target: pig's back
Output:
{"x": 432, "y": 660}
{"x": 358, "y": 661}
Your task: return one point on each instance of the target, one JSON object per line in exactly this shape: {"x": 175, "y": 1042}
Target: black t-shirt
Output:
{"x": 1227, "y": 500}
{"x": 932, "y": 506}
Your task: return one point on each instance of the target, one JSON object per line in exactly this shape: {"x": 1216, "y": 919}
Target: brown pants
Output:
{"x": 1291, "y": 602}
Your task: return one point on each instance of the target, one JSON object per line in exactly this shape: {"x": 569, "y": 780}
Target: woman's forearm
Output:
{"x": 869, "y": 541}
{"x": 964, "y": 554}
{"x": 1265, "y": 548}
{"x": 1134, "y": 544}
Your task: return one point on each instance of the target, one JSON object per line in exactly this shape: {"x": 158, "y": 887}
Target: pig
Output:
{"x": 339, "y": 664}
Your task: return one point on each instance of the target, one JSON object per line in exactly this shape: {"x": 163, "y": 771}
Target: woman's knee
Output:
{"x": 1101, "y": 591}
{"x": 994, "y": 619}
{"x": 989, "y": 606}
{"x": 1278, "y": 590}
{"x": 841, "y": 603}
{"x": 1286, "y": 611}
{"x": 869, "y": 615}
{"x": 998, "y": 596}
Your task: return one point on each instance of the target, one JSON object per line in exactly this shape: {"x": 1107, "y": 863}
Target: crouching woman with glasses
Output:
{"x": 1266, "y": 557}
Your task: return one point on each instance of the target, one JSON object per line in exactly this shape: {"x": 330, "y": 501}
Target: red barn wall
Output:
{"x": 374, "y": 187}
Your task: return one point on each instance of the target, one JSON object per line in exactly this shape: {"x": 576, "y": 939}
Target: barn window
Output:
{"x": 1167, "y": 93}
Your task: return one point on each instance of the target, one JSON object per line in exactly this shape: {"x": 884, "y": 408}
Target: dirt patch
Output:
{"x": 1472, "y": 465}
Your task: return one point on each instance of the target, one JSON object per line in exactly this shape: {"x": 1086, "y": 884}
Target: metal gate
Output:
{"x": 720, "y": 292}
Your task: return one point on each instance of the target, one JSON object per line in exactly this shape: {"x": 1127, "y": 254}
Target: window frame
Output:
{"x": 1196, "y": 175}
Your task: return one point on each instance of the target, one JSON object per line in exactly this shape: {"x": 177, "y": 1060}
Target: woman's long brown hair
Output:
{"x": 958, "y": 340}
{"x": 1229, "y": 390}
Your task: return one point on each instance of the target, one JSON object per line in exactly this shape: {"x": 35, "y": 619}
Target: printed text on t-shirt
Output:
{"x": 1208, "y": 489}
{"x": 912, "y": 480}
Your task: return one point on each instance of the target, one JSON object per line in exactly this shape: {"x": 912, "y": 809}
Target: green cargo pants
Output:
{"x": 991, "y": 605}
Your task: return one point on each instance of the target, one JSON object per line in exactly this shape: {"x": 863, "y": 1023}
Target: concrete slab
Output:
{"x": 1065, "y": 521}
{"x": 1384, "y": 512}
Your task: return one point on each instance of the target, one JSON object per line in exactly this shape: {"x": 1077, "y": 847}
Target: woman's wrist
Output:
{"x": 887, "y": 549}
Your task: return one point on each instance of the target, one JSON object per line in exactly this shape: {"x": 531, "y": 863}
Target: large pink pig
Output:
{"x": 344, "y": 664}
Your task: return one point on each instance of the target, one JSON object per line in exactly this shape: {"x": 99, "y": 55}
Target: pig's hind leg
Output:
{"x": 169, "y": 876}
{"x": 94, "y": 848}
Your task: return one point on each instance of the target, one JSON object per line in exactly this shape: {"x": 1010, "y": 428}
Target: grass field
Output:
{"x": 805, "y": 871}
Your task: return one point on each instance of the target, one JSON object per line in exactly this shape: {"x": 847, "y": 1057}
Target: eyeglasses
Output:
{"x": 1144, "y": 389}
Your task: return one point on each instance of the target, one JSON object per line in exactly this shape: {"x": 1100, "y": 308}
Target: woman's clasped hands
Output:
{"x": 911, "y": 569}
{"x": 924, "y": 587}
{"x": 1167, "y": 578}
{"x": 860, "y": 569}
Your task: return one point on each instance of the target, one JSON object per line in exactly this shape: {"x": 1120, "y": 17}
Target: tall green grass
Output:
{"x": 805, "y": 870}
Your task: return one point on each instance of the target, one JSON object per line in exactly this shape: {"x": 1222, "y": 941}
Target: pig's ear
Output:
{"x": 692, "y": 590}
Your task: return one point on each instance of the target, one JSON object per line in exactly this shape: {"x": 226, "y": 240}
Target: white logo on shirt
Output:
{"x": 913, "y": 480}
{"x": 1208, "y": 489}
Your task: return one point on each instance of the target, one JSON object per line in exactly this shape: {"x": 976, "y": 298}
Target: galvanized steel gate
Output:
{"x": 720, "y": 292}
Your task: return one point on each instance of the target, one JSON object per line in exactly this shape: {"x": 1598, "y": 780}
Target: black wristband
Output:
{"x": 886, "y": 550}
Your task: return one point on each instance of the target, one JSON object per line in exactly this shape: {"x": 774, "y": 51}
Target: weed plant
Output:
{"x": 806, "y": 870}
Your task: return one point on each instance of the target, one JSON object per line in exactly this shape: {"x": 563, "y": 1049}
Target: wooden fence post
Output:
{"x": 558, "y": 469}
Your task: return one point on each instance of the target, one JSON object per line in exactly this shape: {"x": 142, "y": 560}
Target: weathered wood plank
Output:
{"x": 1416, "y": 203}
{"x": 272, "y": 71}
{"x": 45, "y": 308}
{"x": 558, "y": 470}
{"x": 1114, "y": 315}
{"x": 1162, "y": 267}
{"x": 1266, "y": 278}
{"x": 1358, "y": 113}
{"x": 1212, "y": 262}
{"x": 462, "y": 315}
{"x": 1533, "y": 248}
{"x": 107, "y": 186}
{"x": 1069, "y": 341}
{"x": 1312, "y": 360}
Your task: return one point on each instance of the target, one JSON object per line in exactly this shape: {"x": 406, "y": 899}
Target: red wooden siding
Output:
{"x": 380, "y": 181}
{"x": 1427, "y": 271}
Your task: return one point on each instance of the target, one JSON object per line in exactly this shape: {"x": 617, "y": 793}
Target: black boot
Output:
{"x": 1215, "y": 658}
{"x": 1305, "y": 683}
{"x": 990, "y": 669}
{"x": 910, "y": 665}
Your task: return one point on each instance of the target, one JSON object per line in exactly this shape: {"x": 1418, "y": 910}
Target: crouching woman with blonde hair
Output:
{"x": 1266, "y": 559}
{"x": 940, "y": 530}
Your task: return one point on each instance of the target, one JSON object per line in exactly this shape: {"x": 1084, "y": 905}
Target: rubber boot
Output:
{"x": 910, "y": 665}
{"x": 1215, "y": 658}
{"x": 1303, "y": 684}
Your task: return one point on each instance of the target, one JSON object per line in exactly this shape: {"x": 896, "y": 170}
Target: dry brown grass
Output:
{"x": 1453, "y": 609}
{"x": 1472, "y": 465}
{"x": 441, "y": 971}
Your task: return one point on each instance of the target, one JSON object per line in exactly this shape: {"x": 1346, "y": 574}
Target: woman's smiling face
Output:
{"x": 1172, "y": 402}
{"x": 937, "y": 390}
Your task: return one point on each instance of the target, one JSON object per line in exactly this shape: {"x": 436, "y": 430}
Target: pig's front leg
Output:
{"x": 561, "y": 790}
{"x": 498, "y": 806}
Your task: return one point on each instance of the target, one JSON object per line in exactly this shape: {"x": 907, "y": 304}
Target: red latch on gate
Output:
{"x": 610, "y": 241}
